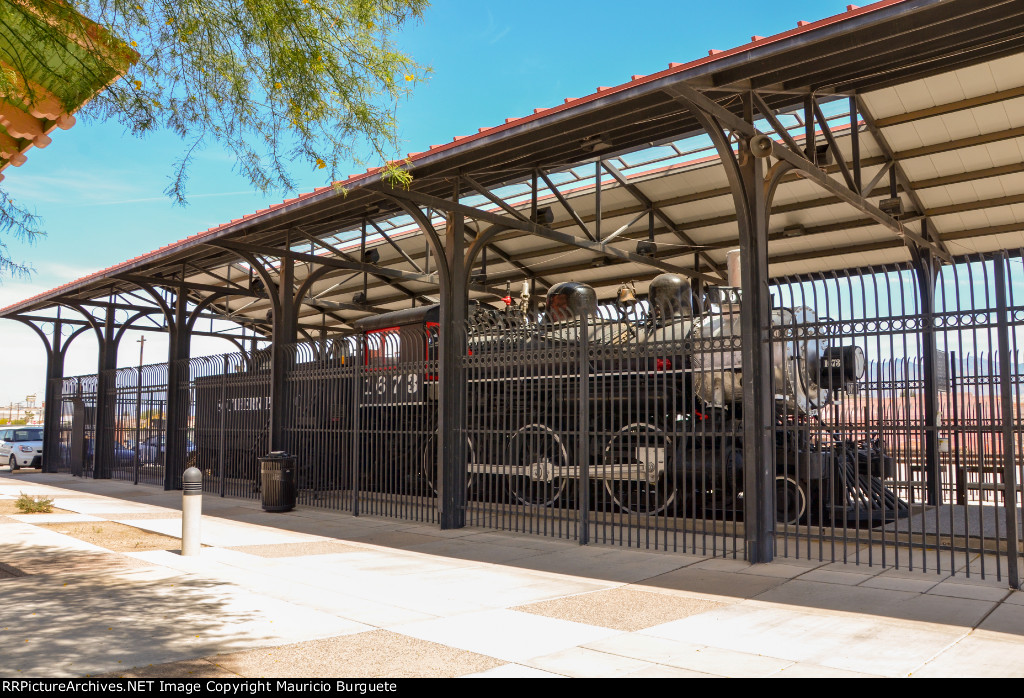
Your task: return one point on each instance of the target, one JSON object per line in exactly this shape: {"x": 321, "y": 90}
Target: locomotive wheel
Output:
{"x": 538, "y": 449}
{"x": 428, "y": 463}
{"x": 640, "y": 445}
{"x": 790, "y": 501}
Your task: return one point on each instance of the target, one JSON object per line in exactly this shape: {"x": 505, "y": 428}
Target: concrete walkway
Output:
{"x": 323, "y": 594}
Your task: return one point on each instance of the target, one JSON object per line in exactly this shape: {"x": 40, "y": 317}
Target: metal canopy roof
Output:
{"x": 939, "y": 89}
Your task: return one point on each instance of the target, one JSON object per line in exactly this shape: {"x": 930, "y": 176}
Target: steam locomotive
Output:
{"x": 642, "y": 409}
{"x": 647, "y": 409}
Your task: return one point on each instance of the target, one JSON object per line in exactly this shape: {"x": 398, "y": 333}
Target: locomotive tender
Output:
{"x": 646, "y": 409}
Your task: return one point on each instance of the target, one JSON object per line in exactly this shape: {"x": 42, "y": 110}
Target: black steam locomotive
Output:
{"x": 642, "y": 409}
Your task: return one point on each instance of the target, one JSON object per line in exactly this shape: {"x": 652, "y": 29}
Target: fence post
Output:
{"x": 959, "y": 473}
{"x": 357, "y": 392}
{"x": 583, "y": 434}
{"x": 138, "y": 424}
{"x": 925, "y": 271}
{"x": 1006, "y": 395}
{"x": 222, "y": 426}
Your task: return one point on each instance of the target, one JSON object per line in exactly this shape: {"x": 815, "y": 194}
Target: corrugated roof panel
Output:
{"x": 913, "y": 96}
{"x": 968, "y": 220}
{"x": 884, "y": 103}
{"x": 994, "y": 187}
{"x": 1015, "y": 108}
{"x": 1007, "y": 72}
{"x": 947, "y": 195}
{"x": 998, "y": 117}
{"x": 903, "y": 136}
{"x": 868, "y": 147}
{"x": 983, "y": 157}
{"x": 976, "y": 80}
{"x": 1002, "y": 215}
{"x": 1008, "y": 152}
{"x": 943, "y": 89}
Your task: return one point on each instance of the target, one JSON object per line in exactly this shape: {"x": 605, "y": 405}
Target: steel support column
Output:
{"x": 52, "y": 400}
{"x": 178, "y": 353}
{"x": 755, "y": 324}
{"x": 285, "y": 333}
{"x": 106, "y": 399}
{"x": 1007, "y": 370}
{"x": 926, "y": 271}
{"x": 451, "y": 418}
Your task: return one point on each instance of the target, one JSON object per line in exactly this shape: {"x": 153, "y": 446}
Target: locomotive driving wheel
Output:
{"x": 638, "y": 473}
{"x": 790, "y": 501}
{"x": 428, "y": 463}
{"x": 537, "y": 458}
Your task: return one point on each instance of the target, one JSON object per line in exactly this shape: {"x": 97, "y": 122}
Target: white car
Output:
{"x": 21, "y": 447}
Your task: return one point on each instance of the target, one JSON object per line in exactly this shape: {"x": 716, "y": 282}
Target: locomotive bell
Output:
{"x": 570, "y": 299}
{"x": 626, "y": 295}
{"x": 671, "y": 295}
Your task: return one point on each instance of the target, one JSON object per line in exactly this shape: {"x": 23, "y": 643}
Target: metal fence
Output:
{"x": 896, "y": 431}
{"x": 77, "y": 424}
{"x": 935, "y": 419}
{"x": 226, "y": 428}
{"x": 137, "y": 429}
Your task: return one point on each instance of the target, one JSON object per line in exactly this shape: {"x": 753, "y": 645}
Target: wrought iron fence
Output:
{"x": 137, "y": 431}
{"x": 897, "y": 431}
{"x": 924, "y": 448}
{"x": 77, "y": 425}
{"x": 228, "y": 417}
{"x": 587, "y": 426}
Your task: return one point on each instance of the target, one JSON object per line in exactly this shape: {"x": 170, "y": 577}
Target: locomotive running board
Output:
{"x": 613, "y": 471}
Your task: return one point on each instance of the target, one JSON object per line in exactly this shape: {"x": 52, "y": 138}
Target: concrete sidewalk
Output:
{"x": 324, "y": 594}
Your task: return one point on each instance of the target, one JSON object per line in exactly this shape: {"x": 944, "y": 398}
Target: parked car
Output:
{"x": 152, "y": 450}
{"x": 123, "y": 455}
{"x": 21, "y": 447}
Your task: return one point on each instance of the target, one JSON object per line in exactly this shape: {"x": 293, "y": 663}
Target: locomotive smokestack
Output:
{"x": 732, "y": 263}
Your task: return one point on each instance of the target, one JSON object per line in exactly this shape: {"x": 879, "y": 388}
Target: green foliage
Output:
{"x": 20, "y": 224}
{"x": 34, "y": 504}
{"x": 272, "y": 81}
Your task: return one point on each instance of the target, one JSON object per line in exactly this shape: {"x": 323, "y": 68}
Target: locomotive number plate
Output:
{"x": 392, "y": 388}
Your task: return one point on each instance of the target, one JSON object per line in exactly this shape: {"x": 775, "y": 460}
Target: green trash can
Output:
{"x": 277, "y": 481}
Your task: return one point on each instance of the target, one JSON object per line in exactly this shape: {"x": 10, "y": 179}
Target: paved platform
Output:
{"x": 313, "y": 593}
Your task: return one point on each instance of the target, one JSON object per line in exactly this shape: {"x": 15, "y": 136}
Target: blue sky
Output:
{"x": 100, "y": 191}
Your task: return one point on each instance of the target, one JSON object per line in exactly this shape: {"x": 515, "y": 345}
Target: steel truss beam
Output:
{"x": 810, "y": 231}
{"x": 798, "y": 161}
{"x": 901, "y": 177}
{"x": 637, "y": 194}
{"x": 545, "y": 232}
{"x": 419, "y": 297}
{"x": 347, "y": 265}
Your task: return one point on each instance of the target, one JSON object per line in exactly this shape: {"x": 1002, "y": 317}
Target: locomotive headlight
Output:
{"x": 838, "y": 366}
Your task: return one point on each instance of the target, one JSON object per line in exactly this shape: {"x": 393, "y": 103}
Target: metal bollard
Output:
{"x": 191, "y": 510}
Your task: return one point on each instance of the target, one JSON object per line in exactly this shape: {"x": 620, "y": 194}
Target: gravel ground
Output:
{"x": 118, "y": 537}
